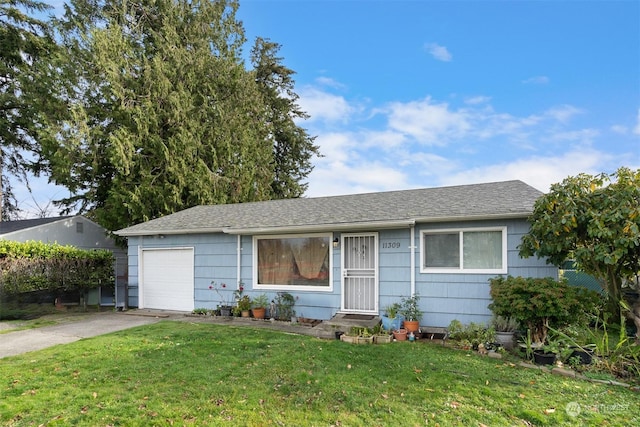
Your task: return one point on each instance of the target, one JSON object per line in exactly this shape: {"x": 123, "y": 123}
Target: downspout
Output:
{"x": 239, "y": 259}
{"x": 412, "y": 247}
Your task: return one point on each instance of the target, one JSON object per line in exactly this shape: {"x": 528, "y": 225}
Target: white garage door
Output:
{"x": 167, "y": 279}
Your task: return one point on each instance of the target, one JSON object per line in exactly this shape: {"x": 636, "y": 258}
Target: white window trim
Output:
{"x": 257, "y": 286}
{"x": 461, "y": 269}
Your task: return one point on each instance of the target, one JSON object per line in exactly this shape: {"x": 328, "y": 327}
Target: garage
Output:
{"x": 167, "y": 279}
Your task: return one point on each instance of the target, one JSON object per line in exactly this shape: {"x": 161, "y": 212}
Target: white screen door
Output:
{"x": 360, "y": 273}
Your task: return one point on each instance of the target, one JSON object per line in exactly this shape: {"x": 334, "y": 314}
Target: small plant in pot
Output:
{"x": 505, "y": 328}
{"x": 411, "y": 312}
{"x": 243, "y": 306}
{"x": 259, "y": 306}
{"x": 392, "y": 319}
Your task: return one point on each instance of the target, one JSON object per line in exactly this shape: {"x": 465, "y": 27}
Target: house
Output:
{"x": 80, "y": 232}
{"x": 349, "y": 254}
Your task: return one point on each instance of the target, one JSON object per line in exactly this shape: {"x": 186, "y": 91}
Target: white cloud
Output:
{"x": 427, "y": 122}
{"x": 563, "y": 113}
{"x": 323, "y": 106}
{"x": 585, "y": 136}
{"x": 475, "y": 100}
{"x": 539, "y": 172}
{"x": 335, "y": 178}
{"x": 438, "y": 52}
{"x": 537, "y": 80}
{"x": 329, "y": 82}
{"x": 620, "y": 129}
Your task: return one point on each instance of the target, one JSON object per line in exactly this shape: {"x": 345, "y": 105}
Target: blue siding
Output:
{"x": 444, "y": 297}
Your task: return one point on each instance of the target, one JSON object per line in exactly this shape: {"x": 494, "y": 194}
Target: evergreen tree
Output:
{"x": 293, "y": 148}
{"x": 162, "y": 113}
{"x": 25, "y": 44}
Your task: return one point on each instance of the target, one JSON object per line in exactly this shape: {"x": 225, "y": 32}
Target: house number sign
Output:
{"x": 390, "y": 245}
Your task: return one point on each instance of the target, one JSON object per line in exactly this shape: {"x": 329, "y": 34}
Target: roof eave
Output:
{"x": 167, "y": 232}
{"x": 350, "y": 226}
{"x": 483, "y": 217}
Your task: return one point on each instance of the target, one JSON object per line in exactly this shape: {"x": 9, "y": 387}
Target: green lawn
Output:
{"x": 181, "y": 373}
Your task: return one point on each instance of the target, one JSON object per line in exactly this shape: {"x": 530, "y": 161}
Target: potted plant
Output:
{"x": 505, "y": 328}
{"x": 225, "y": 307}
{"x": 259, "y": 306}
{"x": 546, "y": 355}
{"x": 411, "y": 312}
{"x": 364, "y": 336}
{"x": 400, "y": 334}
{"x": 392, "y": 319}
{"x": 243, "y": 305}
{"x": 381, "y": 335}
{"x": 351, "y": 336}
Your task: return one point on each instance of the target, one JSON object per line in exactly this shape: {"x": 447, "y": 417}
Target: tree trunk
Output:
{"x": 634, "y": 314}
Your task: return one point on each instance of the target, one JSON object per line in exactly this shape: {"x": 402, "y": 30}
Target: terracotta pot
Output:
{"x": 400, "y": 334}
{"x": 244, "y": 313}
{"x": 259, "y": 313}
{"x": 411, "y": 325}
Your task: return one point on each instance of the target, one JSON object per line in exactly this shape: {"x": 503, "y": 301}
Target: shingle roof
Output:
{"x": 7, "y": 227}
{"x": 358, "y": 211}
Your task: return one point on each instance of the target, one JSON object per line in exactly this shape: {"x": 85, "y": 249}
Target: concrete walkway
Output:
{"x": 73, "y": 329}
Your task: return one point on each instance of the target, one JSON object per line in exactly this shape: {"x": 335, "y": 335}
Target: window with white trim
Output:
{"x": 293, "y": 261}
{"x": 473, "y": 250}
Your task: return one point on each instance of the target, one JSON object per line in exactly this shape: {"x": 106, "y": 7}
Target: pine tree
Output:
{"x": 25, "y": 43}
{"x": 163, "y": 114}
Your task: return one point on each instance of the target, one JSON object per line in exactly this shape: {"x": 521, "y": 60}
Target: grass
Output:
{"x": 181, "y": 373}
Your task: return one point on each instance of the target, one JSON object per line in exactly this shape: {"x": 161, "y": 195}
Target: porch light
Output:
{"x": 336, "y": 242}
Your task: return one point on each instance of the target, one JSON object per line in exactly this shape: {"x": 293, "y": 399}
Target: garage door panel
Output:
{"x": 167, "y": 280}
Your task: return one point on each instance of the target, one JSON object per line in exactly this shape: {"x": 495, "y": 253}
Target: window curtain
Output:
{"x": 275, "y": 262}
{"x": 310, "y": 256}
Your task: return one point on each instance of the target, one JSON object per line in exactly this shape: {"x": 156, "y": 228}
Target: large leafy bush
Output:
{"x": 37, "y": 266}
{"x": 538, "y": 303}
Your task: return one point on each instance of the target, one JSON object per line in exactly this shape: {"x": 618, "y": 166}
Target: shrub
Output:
{"x": 36, "y": 266}
{"x": 538, "y": 303}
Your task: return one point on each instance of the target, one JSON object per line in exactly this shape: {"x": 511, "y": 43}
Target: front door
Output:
{"x": 360, "y": 273}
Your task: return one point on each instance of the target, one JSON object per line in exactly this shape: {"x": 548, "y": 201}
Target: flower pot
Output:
{"x": 542, "y": 358}
{"x": 365, "y": 340}
{"x": 585, "y": 355}
{"x": 259, "y": 312}
{"x": 400, "y": 334}
{"x": 339, "y": 334}
{"x": 506, "y": 339}
{"x": 225, "y": 311}
{"x": 391, "y": 324}
{"x": 348, "y": 338}
{"x": 382, "y": 339}
{"x": 245, "y": 313}
{"x": 411, "y": 325}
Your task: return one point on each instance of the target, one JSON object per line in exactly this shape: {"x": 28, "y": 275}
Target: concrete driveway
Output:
{"x": 73, "y": 329}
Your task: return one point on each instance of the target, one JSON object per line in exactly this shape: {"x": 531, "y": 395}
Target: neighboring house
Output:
{"x": 350, "y": 254}
{"x": 80, "y": 232}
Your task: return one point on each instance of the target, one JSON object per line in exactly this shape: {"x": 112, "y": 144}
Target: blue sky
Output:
{"x": 408, "y": 94}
